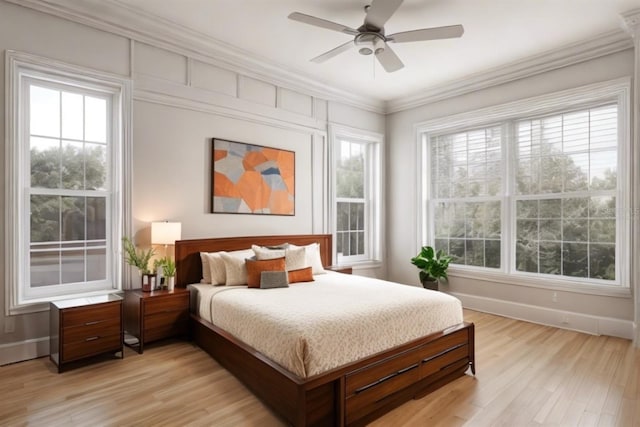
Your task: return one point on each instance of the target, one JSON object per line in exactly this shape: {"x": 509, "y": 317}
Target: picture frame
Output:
{"x": 252, "y": 179}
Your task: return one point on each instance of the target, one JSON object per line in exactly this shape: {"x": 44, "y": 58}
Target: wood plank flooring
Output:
{"x": 527, "y": 375}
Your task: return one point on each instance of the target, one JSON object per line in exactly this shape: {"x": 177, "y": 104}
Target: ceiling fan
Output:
{"x": 370, "y": 37}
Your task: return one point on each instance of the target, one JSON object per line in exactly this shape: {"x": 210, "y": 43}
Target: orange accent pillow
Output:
{"x": 301, "y": 275}
{"x": 255, "y": 268}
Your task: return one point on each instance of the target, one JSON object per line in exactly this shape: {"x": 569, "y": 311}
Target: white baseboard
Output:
{"x": 23, "y": 350}
{"x": 595, "y": 325}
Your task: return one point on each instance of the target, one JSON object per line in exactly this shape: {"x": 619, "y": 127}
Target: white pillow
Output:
{"x": 235, "y": 269}
{"x": 313, "y": 257}
{"x": 206, "y": 273}
{"x": 216, "y": 268}
{"x": 295, "y": 258}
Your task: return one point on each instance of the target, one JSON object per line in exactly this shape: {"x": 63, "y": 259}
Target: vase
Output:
{"x": 171, "y": 283}
{"x": 148, "y": 282}
{"x": 431, "y": 284}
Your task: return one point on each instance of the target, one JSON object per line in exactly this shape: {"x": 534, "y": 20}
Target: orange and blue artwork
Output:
{"x": 252, "y": 179}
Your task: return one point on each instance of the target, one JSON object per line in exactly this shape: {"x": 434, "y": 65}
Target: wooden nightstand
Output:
{"x": 84, "y": 327}
{"x": 155, "y": 315}
{"x": 340, "y": 269}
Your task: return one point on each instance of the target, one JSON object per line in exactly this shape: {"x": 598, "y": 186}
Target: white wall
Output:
{"x": 180, "y": 104}
{"x": 610, "y": 312}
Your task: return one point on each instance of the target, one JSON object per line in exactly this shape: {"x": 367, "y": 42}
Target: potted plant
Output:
{"x": 140, "y": 260}
{"x": 169, "y": 271}
{"x": 433, "y": 266}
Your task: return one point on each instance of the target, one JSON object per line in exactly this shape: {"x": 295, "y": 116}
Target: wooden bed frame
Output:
{"x": 353, "y": 394}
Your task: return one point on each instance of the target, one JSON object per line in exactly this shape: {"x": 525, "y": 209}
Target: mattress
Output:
{"x": 313, "y": 327}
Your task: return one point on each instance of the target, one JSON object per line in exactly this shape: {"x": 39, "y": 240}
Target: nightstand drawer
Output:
{"x": 162, "y": 332}
{"x": 90, "y": 314}
{"x": 99, "y": 328}
{"x": 166, "y": 304}
{"x": 91, "y": 346}
{"x": 166, "y": 318}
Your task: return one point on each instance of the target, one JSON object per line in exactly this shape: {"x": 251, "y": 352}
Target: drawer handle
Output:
{"x": 92, "y": 338}
{"x": 387, "y": 378}
{"x": 428, "y": 359}
{"x": 92, "y": 323}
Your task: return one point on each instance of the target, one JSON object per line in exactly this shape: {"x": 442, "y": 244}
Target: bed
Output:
{"x": 352, "y": 393}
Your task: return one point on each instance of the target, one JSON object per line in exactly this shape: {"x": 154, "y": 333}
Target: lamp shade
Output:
{"x": 165, "y": 233}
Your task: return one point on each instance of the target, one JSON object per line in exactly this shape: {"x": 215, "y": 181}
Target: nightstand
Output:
{"x": 340, "y": 269}
{"x": 155, "y": 315}
{"x": 85, "y": 327}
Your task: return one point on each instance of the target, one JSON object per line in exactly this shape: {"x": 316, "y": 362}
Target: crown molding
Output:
{"x": 121, "y": 19}
{"x": 631, "y": 23}
{"x": 601, "y": 45}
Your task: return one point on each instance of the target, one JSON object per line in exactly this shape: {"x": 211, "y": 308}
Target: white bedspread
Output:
{"x": 309, "y": 328}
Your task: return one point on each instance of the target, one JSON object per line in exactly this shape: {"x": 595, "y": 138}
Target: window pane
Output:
{"x": 527, "y": 256}
{"x": 72, "y": 165}
{"x": 96, "y": 264}
{"x": 72, "y": 266}
{"x": 550, "y": 258}
{"x": 602, "y": 263}
{"x": 350, "y": 170}
{"x": 72, "y": 114}
{"x": 575, "y": 260}
{"x": 45, "y": 218}
{"x": 95, "y": 119}
{"x": 44, "y": 112}
{"x": 45, "y": 162}
{"x": 45, "y": 268}
{"x": 73, "y": 218}
{"x": 95, "y": 162}
{"x": 96, "y": 218}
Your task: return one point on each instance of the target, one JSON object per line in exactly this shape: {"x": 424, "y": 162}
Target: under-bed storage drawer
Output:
{"x": 367, "y": 388}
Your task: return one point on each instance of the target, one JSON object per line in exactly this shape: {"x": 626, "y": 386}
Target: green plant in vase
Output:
{"x": 433, "y": 266}
{"x": 137, "y": 258}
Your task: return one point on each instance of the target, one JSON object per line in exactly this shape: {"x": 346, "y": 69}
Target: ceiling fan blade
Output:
{"x": 333, "y": 52}
{"x": 389, "y": 60}
{"x": 380, "y": 11}
{"x": 427, "y": 34}
{"x": 322, "y": 23}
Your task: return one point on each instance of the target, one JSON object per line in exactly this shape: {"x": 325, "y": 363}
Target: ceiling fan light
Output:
{"x": 379, "y": 50}
{"x": 365, "y": 51}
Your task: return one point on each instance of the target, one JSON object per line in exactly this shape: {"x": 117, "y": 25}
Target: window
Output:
{"x": 538, "y": 193}
{"x": 357, "y": 191}
{"x": 66, "y": 148}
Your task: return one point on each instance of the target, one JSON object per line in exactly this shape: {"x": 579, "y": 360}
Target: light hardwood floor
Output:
{"x": 527, "y": 375}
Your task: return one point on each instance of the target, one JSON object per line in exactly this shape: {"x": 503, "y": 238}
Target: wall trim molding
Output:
{"x": 183, "y": 97}
{"x": 601, "y": 45}
{"x": 24, "y": 350}
{"x": 580, "y": 322}
{"x": 124, "y": 20}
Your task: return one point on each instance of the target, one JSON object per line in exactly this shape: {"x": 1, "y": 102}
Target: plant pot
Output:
{"x": 431, "y": 284}
{"x": 148, "y": 282}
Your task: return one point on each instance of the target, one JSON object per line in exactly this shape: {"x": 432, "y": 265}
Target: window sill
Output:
{"x": 556, "y": 285}
{"x": 362, "y": 265}
{"x": 43, "y": 305}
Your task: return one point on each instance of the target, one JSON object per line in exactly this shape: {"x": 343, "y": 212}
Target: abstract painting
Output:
{"x": 252, "y": 179}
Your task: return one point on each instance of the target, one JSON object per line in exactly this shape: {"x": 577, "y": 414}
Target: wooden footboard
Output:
{"x": 350, "y": 395}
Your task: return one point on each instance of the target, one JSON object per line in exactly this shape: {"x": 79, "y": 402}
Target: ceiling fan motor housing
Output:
{"x": 368, "y": 43}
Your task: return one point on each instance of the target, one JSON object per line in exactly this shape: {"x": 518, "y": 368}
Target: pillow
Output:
{"x": 295, "y": 257}
{"x": 215, "y": 274}
{"x": 301, "y": 275}
{"x": 273, "y": 279}
{"x": 216, "y": 268}
{"x": 255, "y": 269}
{"x": 234, "y": 269}
{"x": 206, "y": 273}
{"x": 313, "y": 257}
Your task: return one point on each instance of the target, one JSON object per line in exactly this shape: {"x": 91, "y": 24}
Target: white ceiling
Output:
{"x": 497, "y": 32}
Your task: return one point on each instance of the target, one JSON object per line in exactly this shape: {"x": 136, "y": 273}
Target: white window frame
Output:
{"x": 22, "y": 68}
{"x": 374, "y": 174}
{"x": 616, "y": 91}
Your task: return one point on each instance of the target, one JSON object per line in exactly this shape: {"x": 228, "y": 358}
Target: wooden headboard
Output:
{"x": 189, "y": 265}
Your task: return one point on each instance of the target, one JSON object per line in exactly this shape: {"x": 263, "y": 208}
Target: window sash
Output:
{"x": 24, "y": 69}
